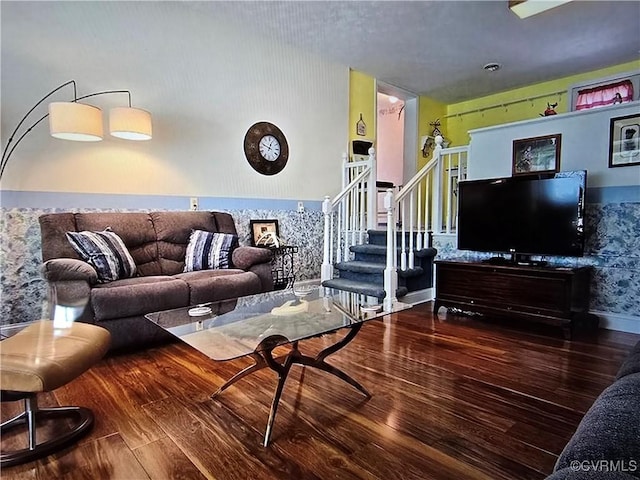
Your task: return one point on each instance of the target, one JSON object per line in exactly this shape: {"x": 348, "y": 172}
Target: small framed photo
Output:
{"x": 536, "y": 155}
{"x": 624, "y": 141}
{"x": 265, "y": 233}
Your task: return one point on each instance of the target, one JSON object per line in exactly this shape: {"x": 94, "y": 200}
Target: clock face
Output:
{"x": 269, "y": 148}
{"x": 266, "y": 148}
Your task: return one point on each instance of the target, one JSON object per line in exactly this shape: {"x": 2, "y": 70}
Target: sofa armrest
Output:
{"x": 67, "y": 269}
{"x": 246, "y": 257}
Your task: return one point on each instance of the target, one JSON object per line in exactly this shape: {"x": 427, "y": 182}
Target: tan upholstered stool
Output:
{"x": 41, "y": 358}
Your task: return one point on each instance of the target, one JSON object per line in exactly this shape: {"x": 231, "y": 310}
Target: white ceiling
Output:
{"x": 432, "y": 48}
{"x": 438, "y": 48}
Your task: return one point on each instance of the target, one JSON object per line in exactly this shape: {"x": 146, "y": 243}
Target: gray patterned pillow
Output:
{"x": 209, "y": 250}
{"x": 106, "y": 252}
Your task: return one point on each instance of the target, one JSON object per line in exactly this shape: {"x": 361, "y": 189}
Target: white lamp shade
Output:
{"x": 130, "y": 123}
{"x": 528, "y": 8}
{"x": 75, "y": 121}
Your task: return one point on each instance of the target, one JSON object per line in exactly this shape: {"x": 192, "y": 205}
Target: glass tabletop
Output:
{"x": 233, "y": 328}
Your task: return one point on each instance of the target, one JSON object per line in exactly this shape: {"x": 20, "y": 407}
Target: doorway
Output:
{"x": 396, "y": 138}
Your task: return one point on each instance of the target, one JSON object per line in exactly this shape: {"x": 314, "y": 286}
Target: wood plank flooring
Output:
{"x": 452, "y": 398}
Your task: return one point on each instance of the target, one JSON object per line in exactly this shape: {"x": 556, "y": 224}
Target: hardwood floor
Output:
{"x": 452, "y": 398}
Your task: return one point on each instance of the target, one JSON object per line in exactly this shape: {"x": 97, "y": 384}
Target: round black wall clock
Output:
{"x": 266, "y": 148}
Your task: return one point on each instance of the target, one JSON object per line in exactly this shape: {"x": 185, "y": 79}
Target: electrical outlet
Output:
{"x": 193, "y": 204}
{"x": 300, "y": 207}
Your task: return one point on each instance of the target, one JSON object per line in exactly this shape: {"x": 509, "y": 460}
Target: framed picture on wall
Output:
{"x": 536, "y": 155}
{"x": 624, "y": 141}
{"x": 265, "y": 233}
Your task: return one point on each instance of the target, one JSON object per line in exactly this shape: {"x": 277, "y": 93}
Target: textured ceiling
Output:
{"x": 432, "y": 48}
{"x": 438, "y": 48}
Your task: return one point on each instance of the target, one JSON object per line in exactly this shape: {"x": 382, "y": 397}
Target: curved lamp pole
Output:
{"x": 143, "y": 132}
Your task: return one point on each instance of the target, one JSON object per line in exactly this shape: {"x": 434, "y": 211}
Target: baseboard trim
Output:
{"x": 419, "y": 296}
{"x": 608, "y": 320}
{"x": 616, "y": 321}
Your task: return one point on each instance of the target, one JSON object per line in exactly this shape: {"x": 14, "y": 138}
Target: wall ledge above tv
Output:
{"x": 611, "y": 109}
{"x": 585, "y": 145}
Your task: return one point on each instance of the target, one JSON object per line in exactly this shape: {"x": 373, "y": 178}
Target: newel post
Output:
{"x": 372, "y": 198}
{"x": 390, "y": 272}
{"x": 436, "y": 195}
{"x": 326, "y": 272}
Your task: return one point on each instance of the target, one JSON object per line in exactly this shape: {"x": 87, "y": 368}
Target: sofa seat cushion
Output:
{"x": 610, "y": 429}
{"x": 138, "y": 296}
{"x": 212, "y": 285}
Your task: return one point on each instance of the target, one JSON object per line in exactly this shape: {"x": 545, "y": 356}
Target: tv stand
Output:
{"x": 556, "y": 296}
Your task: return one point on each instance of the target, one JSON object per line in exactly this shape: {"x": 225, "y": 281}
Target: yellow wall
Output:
{"x": 362, "y": 100}
{"x": 455, "y": 128}
{"x": 428, "y": 111}
{"x": 362, "y": 94}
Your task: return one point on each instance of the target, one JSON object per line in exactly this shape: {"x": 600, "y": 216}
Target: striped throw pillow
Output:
{"x": 209, "y": 250}
{"x": 106, "y": 252}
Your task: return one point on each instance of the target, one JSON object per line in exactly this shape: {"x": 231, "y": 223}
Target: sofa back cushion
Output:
{"x": 53, "y": 229}
{"x": 135, "y": 229}
{"x": 174, "y": 230}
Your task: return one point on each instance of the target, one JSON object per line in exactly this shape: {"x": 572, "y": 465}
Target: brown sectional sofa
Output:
{"x": 157, "y": 241}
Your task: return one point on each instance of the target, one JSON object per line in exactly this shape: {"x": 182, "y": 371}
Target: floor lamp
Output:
{"x": 82, "y": 122}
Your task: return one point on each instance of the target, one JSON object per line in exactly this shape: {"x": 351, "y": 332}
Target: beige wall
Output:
{"x": 204, "y": 80}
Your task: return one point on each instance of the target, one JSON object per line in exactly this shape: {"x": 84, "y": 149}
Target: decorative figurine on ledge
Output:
{"x": 550, "y": 110}
{"x": 436, "y": 127}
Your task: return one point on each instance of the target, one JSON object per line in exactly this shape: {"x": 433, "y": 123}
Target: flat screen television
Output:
{"x": 523, "y": 216}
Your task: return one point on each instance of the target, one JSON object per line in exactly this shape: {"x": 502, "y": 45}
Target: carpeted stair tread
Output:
{"x": 411, "y": 272}
{"x": 370, "y": 249}
{"x": 381, "y": 250}
{"x": 360, "y": 267}
{"x": 379, "y": 237}
{"x": 363, "y": 288}
{"x": 375, "y": 268}
{"x": 426, "y": 252}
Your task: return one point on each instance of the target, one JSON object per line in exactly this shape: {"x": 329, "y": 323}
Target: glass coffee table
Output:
{"x": 255, "y": 325}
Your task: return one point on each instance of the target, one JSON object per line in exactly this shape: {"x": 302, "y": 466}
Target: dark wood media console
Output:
{"x": 553, "y": 295}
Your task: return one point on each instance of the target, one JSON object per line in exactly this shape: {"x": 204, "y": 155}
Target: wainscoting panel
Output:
{"x": 23, "y": 290}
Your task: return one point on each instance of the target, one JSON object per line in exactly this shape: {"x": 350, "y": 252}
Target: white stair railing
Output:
{"x": 349, "y": 215}
{"x": 426, "y": 204}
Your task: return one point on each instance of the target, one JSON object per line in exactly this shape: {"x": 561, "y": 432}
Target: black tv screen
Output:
{"x": 522, "y": 215}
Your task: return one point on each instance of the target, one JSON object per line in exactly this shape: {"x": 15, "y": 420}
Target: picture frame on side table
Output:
{"x": 624, "y": 141}
{"x": 536, "y": 155}
{"x": 265, "y": 233}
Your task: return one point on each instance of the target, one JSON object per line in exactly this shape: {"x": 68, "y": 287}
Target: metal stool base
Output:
{"x": 82, "y": 422}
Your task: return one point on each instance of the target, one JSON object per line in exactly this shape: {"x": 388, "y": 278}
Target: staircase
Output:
{"x": 365, "y": 273}
{"x": 392, "y": 263}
